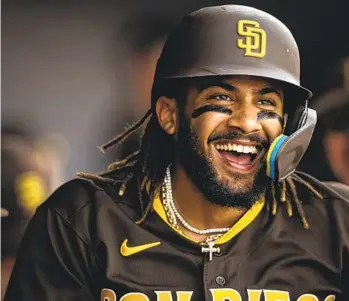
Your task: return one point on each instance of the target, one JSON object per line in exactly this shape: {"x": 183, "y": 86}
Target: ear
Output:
{"x": 167, "y": 114}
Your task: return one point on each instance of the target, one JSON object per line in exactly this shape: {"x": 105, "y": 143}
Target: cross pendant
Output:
{"x": 210, "y": 249}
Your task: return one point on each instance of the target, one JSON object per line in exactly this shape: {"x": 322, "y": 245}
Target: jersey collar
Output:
{"x": 240, "y": 225}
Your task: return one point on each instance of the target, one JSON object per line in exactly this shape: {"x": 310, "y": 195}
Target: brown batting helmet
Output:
{"x": 232, "y": 40}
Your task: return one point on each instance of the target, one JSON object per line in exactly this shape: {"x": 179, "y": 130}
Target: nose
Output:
{"x": 245, "y": 119}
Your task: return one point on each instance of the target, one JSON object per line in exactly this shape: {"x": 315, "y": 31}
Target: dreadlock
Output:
{"x": 151, "y": 161}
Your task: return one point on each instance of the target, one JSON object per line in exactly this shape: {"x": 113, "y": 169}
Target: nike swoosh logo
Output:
{"x": 128, "y": 251}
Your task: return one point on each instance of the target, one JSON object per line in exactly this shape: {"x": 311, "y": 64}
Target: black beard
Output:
{"x": 202, "y": 173}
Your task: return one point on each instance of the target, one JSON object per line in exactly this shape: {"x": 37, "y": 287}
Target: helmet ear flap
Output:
{"x": 286, "y": 151}
{"x": 296, "y": 119}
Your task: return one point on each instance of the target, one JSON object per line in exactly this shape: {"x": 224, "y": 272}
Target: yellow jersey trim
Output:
{"x": 240, "y": 225}
{"x": 243, "y": 222}
{"x": 159, "y": 209}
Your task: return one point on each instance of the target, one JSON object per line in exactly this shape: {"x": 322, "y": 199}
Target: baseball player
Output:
{"x": 210, "y": 207}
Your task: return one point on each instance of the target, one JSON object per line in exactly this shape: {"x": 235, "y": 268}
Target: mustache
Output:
{"x": 238, "y": 136}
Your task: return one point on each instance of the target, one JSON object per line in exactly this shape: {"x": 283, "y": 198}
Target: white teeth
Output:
{"x": 237, "y": 148}
{"x": 253, "y": 150}
{"x": 246, "y": 149}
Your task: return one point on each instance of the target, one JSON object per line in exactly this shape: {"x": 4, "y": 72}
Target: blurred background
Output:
{"x": 76, "y": 73}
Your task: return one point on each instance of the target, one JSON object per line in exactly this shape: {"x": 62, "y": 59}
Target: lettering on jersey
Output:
{"x": 255, "y": 38}
{"x": 134, "y": 297}
{"x": 254, "y": 295}
{"x": 310, "y": 297}
{"x": 225, "y": 294}
{"x": 167, "y": 296}
{"x": 273, "y": 295}
{"x": 218, "y": 294}
{"x": 108, "y": 295}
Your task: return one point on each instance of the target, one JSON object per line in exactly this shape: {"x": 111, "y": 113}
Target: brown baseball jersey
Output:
{"x": 83, "y": 244}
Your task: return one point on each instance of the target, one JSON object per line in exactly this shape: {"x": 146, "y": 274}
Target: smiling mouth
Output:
{"x": 240, "y": 155}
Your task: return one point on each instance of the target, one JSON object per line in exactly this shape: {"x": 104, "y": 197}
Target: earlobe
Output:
{"x": 166, "y": 113}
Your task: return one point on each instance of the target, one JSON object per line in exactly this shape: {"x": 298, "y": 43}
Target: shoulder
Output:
{"x": 331, "y": 209}
{"x": 82, "y": 197}
{"x": 72, "y": 197}
{"x": 326, "y": 208}
{"x": 329, "y": 190}
{"x": 339, "y": 190}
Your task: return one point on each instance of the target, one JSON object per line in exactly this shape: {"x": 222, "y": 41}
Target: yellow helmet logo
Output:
{"x": 255, "y": 38}
{"x": 31, "y": 191}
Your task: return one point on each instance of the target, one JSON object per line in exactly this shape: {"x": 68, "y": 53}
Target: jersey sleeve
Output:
{"x": 342, "y": 209}
{"x": 53, "y": 263}
{"x": 343, "y": 222}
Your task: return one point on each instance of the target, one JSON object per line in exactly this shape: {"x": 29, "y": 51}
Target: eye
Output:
{"x": 266, "y": 102}
{"x": 224, "y": 97}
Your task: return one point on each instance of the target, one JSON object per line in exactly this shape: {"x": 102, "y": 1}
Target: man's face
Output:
{"x": 224, "y": 133}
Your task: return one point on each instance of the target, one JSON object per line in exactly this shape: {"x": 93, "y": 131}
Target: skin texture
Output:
{"x": 219, "y": 194}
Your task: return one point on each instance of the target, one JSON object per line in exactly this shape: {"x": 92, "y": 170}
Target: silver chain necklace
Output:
{"x": 173, "y": 213}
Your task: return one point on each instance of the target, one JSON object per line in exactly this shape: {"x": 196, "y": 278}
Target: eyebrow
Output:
{"x": 211, "y": 84}
{"x": 269, "y": 90}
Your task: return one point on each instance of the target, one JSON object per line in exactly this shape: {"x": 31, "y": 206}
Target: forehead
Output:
{"x": 243, "y": 83}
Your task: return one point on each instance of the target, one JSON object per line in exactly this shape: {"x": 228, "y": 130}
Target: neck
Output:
{"x": 196, "y": 209}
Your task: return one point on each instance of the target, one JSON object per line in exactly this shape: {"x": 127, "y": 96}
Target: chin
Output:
{"x": 237, "y": 183}
{"x": 235, "y": 189}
